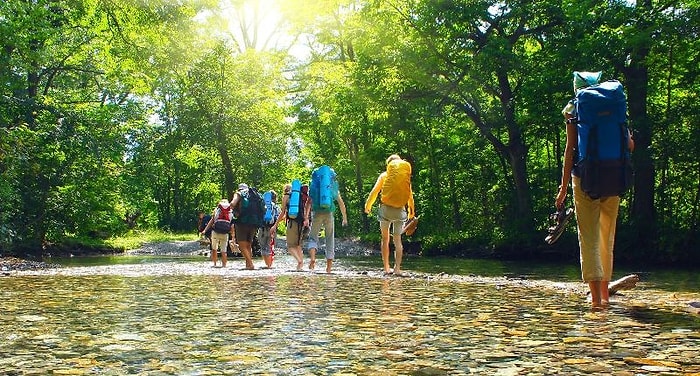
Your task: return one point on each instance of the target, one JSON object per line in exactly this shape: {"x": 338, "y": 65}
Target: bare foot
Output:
{"x": 312, "y": 264}
{"x": 300, "y": 266}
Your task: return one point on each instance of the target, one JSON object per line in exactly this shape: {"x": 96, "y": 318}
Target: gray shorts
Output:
{"x": 265, "y": 238}
{"x": 391, "y": 216}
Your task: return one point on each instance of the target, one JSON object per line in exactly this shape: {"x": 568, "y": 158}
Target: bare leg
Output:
{"x": 224, "y": 255}
{"x": 268, "y": 260}
{"x": 398, "y": 254}
{"x": 385, "y": 250}
{"x": 605, "y": 293}
{"x": 213, "y": 255}
{"x": 594, "y": 286}
{"x": 247, "y": 251}
{"x": 329, "y": 264}
{"x": 312, "y": 255}
{"x": 296, "y": 252}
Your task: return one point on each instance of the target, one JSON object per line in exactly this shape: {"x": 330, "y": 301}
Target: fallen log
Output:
{"x": 625, "y": 283}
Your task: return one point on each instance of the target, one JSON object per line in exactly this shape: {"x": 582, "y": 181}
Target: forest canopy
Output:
{"x": 133, "y": 114}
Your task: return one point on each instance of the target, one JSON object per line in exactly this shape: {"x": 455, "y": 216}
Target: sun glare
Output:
{"x": 257, "y": 24}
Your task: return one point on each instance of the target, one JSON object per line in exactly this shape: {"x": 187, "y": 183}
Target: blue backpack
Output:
{"x": 271, "y": 210}
{"x": 323, "y": 189}
{"x": 603, "y": 157}
{"x": 295, "y": 200}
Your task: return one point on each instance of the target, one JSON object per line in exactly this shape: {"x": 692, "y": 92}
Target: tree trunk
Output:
{"x": 517, "y": 153}
{"x": 637, "y": 81}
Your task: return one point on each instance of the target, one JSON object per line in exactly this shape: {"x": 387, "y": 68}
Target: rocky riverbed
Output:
{"x": 189, "y": 258}
{"x": 344, "y": 247}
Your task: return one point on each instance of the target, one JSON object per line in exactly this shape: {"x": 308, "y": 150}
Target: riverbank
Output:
{"x": 345, "y": 247}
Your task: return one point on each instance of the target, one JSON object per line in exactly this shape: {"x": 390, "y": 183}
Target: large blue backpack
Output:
{"x": 295, "y": 209}
{"x": 603, "y": 157}
{"x": 323, "y": 189}
{"x": 271, "y": 210}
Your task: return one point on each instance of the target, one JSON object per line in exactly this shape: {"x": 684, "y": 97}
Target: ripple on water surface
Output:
{"x": 192, "y": 320}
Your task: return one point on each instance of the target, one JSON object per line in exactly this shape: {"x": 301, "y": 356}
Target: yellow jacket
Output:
{"x": 378, "y": 187}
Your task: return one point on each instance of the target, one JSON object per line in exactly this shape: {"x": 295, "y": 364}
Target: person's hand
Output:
{"x": 234, "y": 247}
{"x": 345, "y": 222}
{"x": 561, "y": 196}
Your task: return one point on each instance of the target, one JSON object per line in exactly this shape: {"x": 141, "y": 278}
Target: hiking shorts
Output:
{"x": 294, "y": 234}
{"x": 245, "y": 233}
{"x": 391, "y": 216}
{"x": 219, "y": 242}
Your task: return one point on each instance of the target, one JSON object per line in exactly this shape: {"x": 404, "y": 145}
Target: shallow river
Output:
{"x": 150, "y": 315}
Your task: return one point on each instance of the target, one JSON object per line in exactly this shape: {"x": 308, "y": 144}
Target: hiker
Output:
{"x": 268, "y": 233}
{"x": 219, "y": 227}
{"x": 324, "y": 191}
{"x": 296, "y": 211}
{"x": 249, "y": 209}
{"x": 202, "y": 221}
{"x": 396, "y": 207}
{"x": 596, "y": 214}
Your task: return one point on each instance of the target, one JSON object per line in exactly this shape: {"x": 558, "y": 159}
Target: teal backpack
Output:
{"x": 252, "y": 208}
{"x": 295, "y": 207}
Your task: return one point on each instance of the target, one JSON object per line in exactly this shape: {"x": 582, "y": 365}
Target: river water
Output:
{"x": 150, "y": 315}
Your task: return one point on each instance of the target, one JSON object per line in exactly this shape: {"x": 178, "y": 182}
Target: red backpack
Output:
{"x": 222, "y": 224}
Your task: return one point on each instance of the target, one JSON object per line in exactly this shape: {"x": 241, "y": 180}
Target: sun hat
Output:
{"x": 585, "y": 79}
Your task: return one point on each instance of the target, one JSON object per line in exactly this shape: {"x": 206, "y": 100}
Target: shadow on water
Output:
{"x": 664, "y": 319}
{"x": 663, "y": 279}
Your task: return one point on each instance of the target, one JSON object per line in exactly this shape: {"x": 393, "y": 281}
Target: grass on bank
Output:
{"x": 136, "y": 238}
{"x": 133, "y": 239}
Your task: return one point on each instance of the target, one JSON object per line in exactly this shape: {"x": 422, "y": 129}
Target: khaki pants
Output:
{"x": 596, "y": 221}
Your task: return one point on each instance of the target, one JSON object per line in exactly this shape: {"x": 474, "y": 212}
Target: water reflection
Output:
{"x": 282, "y": 323}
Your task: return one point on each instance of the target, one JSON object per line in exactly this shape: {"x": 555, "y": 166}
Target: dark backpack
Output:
{"x": 603, "y": 157}
{"x": 251, "y": 209}
{"x": 222, "y": 224}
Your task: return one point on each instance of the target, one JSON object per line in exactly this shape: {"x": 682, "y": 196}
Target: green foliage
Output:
{"x": 111, "y": 111}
